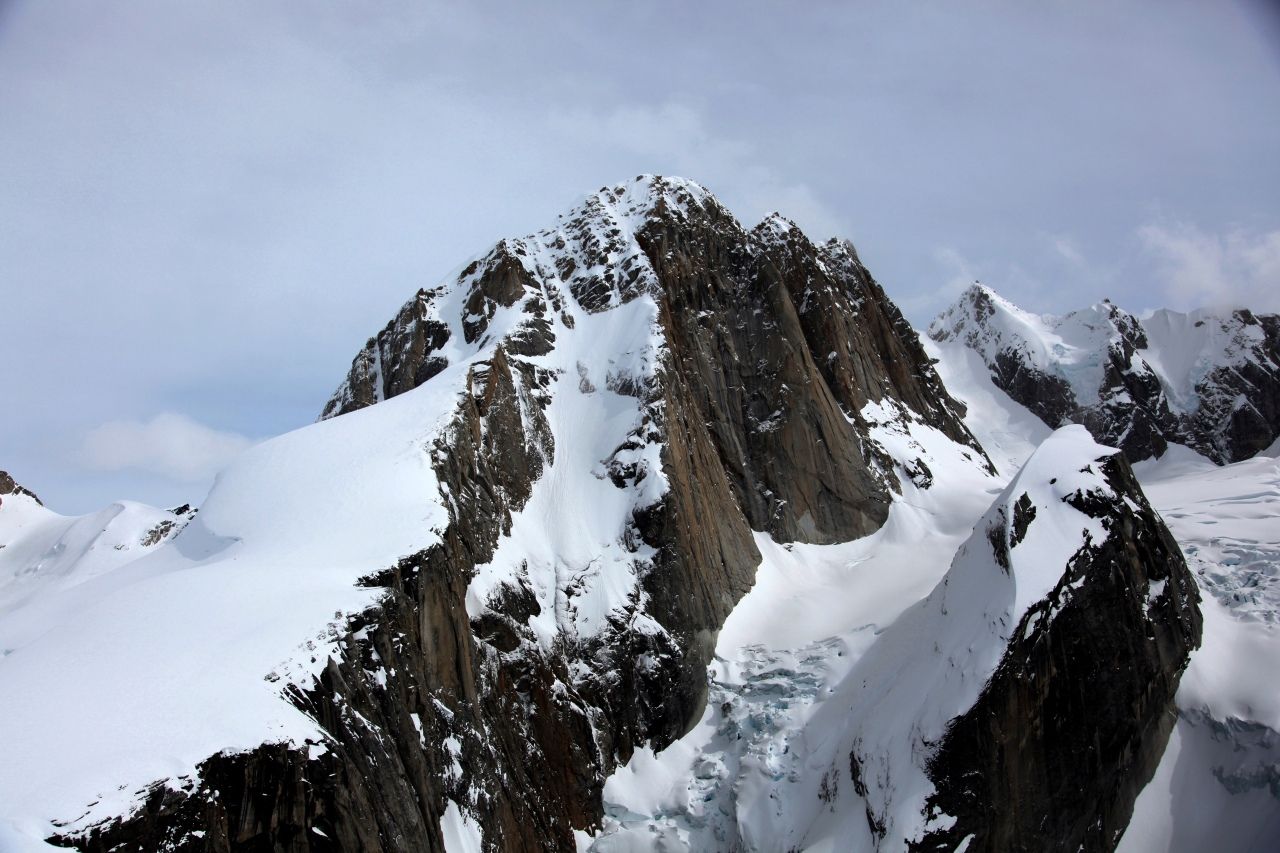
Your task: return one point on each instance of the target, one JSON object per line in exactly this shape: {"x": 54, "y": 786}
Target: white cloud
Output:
{"x": 958, "y": 272}
{"x": 677, "y": 138}
{"x": 171, "y": 445}
{"x": 1238, "y": 268}
{"x": 1066, "y": 248}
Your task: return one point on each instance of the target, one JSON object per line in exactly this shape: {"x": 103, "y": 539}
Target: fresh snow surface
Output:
{"x": 1072, "y": 347}
{"x": 461, "y": 833}
{"x": 567, "y": 541}
{"x": 1007, "y": 431}
{"x": 40, "y": 549}
{"x": 1184, "y": 347}
{"x": 1216, "y": 786}
{"x": 1213, "y": 790}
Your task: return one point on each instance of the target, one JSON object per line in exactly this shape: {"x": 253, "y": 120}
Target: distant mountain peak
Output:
{"x": 1209, "y": 380}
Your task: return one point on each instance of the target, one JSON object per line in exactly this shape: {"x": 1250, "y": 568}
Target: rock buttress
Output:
{"x": 1073, "y": 723}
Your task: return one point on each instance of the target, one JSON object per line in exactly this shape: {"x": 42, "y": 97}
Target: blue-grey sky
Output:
{"x": 206, "y": 208}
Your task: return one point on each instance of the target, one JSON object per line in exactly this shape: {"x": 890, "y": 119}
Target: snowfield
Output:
{"x": 1217, "y": 784}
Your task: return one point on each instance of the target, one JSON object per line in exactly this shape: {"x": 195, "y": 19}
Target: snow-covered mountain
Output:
{"x": 1207, "y": 380}
{"x": 645, "y": 531}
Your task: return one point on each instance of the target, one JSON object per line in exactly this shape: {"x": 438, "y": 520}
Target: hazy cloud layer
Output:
{"x": 170, "y": 445}
{"x": 208, "y": 207}
{"x": 1232, "y": 269}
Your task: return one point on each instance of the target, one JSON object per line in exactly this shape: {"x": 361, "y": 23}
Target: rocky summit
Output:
{"x": 652, "y": 530}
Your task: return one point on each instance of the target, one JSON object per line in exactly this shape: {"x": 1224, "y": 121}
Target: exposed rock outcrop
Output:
{"x": 9, "y": 487}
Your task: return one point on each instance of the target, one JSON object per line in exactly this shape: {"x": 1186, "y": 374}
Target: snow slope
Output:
{"x": 567, "y": 541}
{"x": 1208, "y": 379}
{"x": 1185, "y": 347}
{"x": 1218, "y": 784}
{"x": 40, "y": 549}
{"x": 1006, "y": 430}
{"x": 146, "y": 667}
{"x": 1072, "y": 347}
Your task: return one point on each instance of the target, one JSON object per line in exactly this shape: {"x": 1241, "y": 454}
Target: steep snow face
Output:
{"x": 568, "y": 543}
{"x": 1006, "y": 430}
{"x": 1206, "y": 379}
{"x": 1186, "y": 348}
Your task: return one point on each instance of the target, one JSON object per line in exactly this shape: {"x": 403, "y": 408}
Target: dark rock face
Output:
{"x": 872, "y": 351}
{"x": 1074, "y": 721}
{"x": 1236, "y": 407}
{"x": 1049, "y": 397}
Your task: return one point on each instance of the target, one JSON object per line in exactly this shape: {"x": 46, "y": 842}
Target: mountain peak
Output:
{"x": 641, "y": 198}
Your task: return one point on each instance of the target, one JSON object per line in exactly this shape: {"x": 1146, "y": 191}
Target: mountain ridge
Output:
{"x": 1205, "y": 379}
